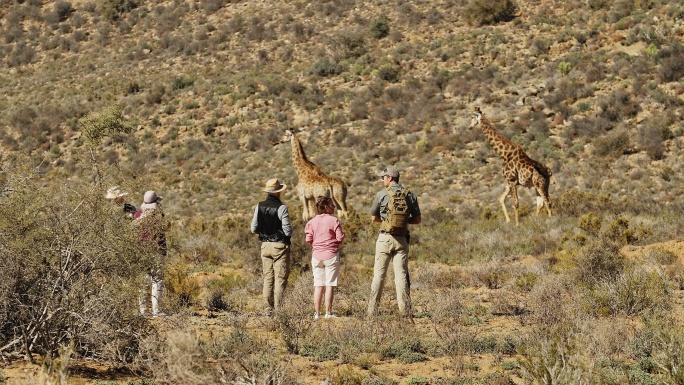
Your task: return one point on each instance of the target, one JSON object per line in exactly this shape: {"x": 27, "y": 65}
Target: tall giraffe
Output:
{"x": 312, "y": 182}
{"x": 518, "y": 169}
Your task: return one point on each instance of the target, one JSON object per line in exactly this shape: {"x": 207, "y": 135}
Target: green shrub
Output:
{"x": 113, "y": 9}
{"x": 418, "y": 380}
{"x": 662, "y": 256}
{"x": 615, "y": 143}
{"x": 348, "y": 44}
{"x": 389, "y": 73}
{"x": 650, "y": 139}
{"x": 482, "y": 12}
{"x": 73, "y": 242}
{"x": 326, "y": 67}
{"x": 564, "y": 68}
{"x": 598, "y": 260}
{"x": 181, "y": 82}
{"x": 631, "y": 293}
{"x": 412, "y": 357}
{"x": 380, "y": 27}
{"x": 346, "y": 376}
{"x": 320, "y": 352}
{"x": 108, "y": 123}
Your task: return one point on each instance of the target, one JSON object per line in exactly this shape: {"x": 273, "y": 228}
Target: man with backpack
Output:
{"x": 395, "y": 207}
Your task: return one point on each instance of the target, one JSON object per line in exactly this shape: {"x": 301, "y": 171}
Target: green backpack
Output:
{"x": 396, "y": 222}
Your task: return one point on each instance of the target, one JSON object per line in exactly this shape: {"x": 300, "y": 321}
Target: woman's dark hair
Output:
{"x": 323, "y": 202}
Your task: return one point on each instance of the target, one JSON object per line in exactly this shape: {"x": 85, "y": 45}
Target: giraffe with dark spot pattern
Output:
{"x": 518, "y": 169}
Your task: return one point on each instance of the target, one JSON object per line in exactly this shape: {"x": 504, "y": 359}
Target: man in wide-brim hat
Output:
{"x": 272, "y": 222}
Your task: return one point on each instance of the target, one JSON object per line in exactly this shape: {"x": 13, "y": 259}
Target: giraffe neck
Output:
{"x": 299, "y": 160}
{"x": 499, "y": 143}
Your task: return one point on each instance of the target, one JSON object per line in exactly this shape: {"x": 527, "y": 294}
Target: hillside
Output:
{"x": 208, "y": 86}
{"x": 192, "y": 98}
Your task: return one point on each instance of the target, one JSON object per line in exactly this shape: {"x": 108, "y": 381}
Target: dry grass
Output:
{"x": 189, "y": 98}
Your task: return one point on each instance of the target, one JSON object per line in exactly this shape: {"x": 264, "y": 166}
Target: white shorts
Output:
{"x": 326, "y": 272}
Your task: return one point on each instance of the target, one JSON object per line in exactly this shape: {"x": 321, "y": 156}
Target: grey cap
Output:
{"x": 391, "y": 171}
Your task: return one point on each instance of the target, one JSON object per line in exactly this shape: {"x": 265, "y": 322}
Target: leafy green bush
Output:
{"x": 110, "y": 122}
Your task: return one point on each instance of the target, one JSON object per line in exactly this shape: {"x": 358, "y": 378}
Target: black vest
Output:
{"x": 269, "y": 226}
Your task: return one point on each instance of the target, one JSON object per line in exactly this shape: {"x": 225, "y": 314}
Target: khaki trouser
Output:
{"x": 275, "y": 263}
{"x": 389, "y": 248}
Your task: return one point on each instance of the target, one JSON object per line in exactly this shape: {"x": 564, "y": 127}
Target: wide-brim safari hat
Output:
{"x": 115, "y": 192}
{"x": 274, "y": 186}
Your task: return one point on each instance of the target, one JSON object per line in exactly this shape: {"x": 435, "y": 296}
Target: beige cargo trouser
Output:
{"x": 390, "y": 248}
{"x": 275, "y": 267}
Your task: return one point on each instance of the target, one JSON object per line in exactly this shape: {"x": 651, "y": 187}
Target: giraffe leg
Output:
{"x": 543, "y": 198}
{"x": 341, "y": 207}
{"x": 502, "y": 200}
{"x": 540, "y": 203}
{"x": 516, "y": 203}
{"x": 312, "y": 208}
{"x": 305, "y": 207}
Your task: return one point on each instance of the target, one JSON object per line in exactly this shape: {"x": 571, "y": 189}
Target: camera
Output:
{"x": 129, "y": 208}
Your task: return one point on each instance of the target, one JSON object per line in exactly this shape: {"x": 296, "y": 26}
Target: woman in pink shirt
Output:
{"x": 324, "y": 233}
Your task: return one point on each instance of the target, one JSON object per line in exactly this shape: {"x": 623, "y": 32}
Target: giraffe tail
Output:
{"x": 542, "y": 169}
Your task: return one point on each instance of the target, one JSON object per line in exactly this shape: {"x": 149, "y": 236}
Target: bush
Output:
{"x": 389, "y": 73}
{"x": 348, "y": 44}
{"x": 619, "y": 106}
{"x": 380, "y": 27}
{"x": 598, "y": 260}
{"x": 650, "y": 139}
{"x": 326, "y": 67}
{"x": 631, "y": 293}
{"x": 21, "y": 54}
{"x": 672, "y": 63}
{"x": 615, "y": 143}
{"x": 482, "y": 12}
{"x": 108, "y": 123}
{"x": 113, "y": 9}
{"x": 67, "y": 255}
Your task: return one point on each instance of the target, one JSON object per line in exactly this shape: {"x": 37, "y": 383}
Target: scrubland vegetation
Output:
{"x": 189, "y": 98}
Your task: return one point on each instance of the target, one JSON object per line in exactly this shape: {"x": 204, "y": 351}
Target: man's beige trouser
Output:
{"x": 389, "y": 248}
{"x": 275, "y": 263}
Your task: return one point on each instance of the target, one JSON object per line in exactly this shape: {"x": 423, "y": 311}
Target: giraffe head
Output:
{"x": 476, "y": 118}
{"x": 287, "y": 137}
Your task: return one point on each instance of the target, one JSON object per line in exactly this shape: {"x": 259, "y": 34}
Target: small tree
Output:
{"x": 108, "y": 123}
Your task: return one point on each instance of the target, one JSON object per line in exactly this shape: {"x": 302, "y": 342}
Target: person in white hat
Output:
{"x": 152, "y": 226}
{"x": 271, "y": 221}
{"x": 116, "y": 195}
